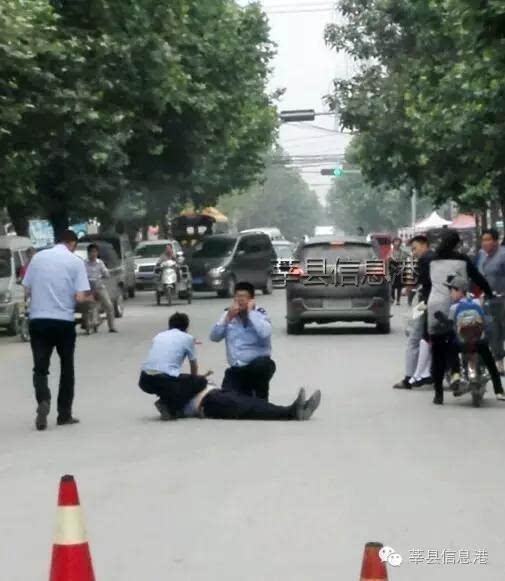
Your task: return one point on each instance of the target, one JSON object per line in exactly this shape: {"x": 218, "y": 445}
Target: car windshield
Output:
{"x": 215, "y": 248}
{"x": 285, "y": 251}
{"x": 5, "y": 262}
{"x": 150, "y": 250}
{"x": 331, "y": 253}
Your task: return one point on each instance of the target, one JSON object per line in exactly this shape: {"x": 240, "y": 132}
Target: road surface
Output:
{"x": 205, "y": 500}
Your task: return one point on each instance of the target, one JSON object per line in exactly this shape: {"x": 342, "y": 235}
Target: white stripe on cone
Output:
{"x": 70, "y": 528}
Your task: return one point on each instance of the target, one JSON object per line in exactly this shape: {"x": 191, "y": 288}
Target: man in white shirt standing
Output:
{"x": 56, "y": 280}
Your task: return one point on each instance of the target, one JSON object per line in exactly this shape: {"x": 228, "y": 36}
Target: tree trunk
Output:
{"x": 483, "y": 220}
{"x": 59, "y": 222}
{"x": 495, "y": 213}
{"x": 145, "y": 232}
{"x": 502, "y": 208}
{"x": 19, "y": 217}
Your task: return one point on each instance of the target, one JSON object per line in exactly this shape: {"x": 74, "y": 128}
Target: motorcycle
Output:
{"x": 92, "y": 314}
{"x": 473, "y": 378}
{"x": 171, "y": 284}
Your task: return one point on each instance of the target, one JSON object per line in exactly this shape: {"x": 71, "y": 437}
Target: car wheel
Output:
{"x": 119, "y": 306}
{"x": 131, "y": 292}
{"x": 124, "y": 292}
{"x": 295, "y": 328}
{"x": 269, "y": 287}
{"x": 229, "y": 290}
{"x": 383, "y": 327}
{"x": 13, "y": 327}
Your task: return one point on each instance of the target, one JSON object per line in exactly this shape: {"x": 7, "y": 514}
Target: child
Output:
{"x": 464, "y": 306}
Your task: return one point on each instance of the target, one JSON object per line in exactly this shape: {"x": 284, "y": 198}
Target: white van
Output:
{"x": 14, "y": 255}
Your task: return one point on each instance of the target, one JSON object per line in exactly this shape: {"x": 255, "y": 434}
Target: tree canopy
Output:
{"x": 104, "y": 101}
{"x": 427, "y": 99}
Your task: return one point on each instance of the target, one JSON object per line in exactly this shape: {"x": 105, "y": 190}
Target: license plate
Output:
{"x": 337, "y": 304}
{"x": 197, "y": 279}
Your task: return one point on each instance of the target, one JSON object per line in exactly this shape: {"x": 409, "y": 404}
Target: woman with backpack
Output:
{"x": 447, "y": 262}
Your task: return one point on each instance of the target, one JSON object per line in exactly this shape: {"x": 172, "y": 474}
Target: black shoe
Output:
{"x": 67, "y": 421}
{"x": 421, "y": 382}
{"x": 166, "y": 416}
{"x": 403, "y": 384}
{"x": 299, "y": 405}
{"x": 312, "y": 404}
{"x": 42, "y": 413}
{"x": 113, "y": 331}
{"x": 438, "y": 399}
{"x": 397, "y": 303}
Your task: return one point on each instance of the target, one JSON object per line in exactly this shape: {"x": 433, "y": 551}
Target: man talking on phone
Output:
{"x": 247, "y": 331}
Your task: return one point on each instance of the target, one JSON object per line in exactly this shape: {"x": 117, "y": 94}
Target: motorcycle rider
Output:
{"x": 447, "y": 261}
{"x": 459, "y": 289}
{"x": 97, "y": 272}
{"x": 169, "y": 254}
{"x": 491, "y": 263}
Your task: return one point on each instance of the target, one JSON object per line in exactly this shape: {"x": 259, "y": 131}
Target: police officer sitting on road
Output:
{"x": 247, "y": 331}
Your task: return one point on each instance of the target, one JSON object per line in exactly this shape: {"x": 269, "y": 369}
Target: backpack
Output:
{"x": 469, "y": 321}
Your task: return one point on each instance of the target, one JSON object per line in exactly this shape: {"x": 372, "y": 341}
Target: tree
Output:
{"x": 131, "y": 104}
{"x": 282, "y": 200}
{"x": 427, "y": 99}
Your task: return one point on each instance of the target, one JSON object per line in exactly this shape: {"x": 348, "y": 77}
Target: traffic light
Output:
{"x": 298, "y": 115}
{"x": 335, "y": 172}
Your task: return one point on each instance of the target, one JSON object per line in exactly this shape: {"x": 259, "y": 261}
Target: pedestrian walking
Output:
{"x": 397, "y": 260}
{"x": 491, "y": 264}
{"x": 247, "y": 331}
{"x": 56, "y": 280}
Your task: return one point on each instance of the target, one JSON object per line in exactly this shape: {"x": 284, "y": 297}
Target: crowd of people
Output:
{"x": 57, "y": 282}
{"x": 445, "y": 277}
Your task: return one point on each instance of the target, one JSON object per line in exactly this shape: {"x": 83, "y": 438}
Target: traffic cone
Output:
{"x": 373, "y": 569}
{"x": 71, "y": 559}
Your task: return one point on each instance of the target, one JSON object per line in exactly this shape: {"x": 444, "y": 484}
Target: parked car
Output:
{"x": 284, "y": 253}
{"x": 329, "y": 300}
{"x": 115, "y": 284}
{"x": 284, "y": 249}
{"x": 14, "y": 256}
{"x": 222, "y": 260}
{"x": 123, "y": 249}
{"x": 146, "y": 257}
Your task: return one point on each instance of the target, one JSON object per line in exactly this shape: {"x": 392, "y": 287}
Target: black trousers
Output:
{"x": 174, "y": 392}
{"x": 46, "y": 335}
{"x": 488, "y": 360}
{"x": 230, "y": 405}
{"x": 252, "y": 379}
{"x": 444, "y": 355}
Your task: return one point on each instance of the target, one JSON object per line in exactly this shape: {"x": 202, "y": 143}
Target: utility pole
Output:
{"x": 413, "y": 206}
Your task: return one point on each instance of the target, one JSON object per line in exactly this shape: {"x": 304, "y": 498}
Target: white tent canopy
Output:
{"x": 432, "y": 221}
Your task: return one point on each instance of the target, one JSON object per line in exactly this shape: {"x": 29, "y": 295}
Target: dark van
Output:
{"x": 221, "y": 260}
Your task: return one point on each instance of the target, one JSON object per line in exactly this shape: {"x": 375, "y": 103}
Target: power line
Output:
{"x": 300, "y": 10}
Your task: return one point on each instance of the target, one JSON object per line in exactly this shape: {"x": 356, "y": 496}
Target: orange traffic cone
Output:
{"x": 373, "y": 569}
{"x": 71, "y": 560}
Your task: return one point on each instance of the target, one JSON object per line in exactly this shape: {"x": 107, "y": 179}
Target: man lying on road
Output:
{"x": 183, "y": 395}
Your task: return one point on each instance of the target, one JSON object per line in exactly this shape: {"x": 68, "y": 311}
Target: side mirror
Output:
{"x": 241, "y": 253}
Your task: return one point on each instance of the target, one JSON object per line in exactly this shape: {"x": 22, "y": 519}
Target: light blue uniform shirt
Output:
{"x": 168, "y": 351}
{"x": 244, "y": 342}
{"x": 54, "y": 277}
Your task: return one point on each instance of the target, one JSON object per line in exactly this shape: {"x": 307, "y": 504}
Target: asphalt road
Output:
{"x": 201, "y": 500}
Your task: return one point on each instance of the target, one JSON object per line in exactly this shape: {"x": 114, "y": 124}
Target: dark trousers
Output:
{"x": 488, "y": 360}
{"x": 396, "y": 291}
{"x": 46, "y": 335}
{"x": 444, "y": 355}
{"x": 230, "y": 405}
{"x": 252, "y": 379}
{"x": 174, "y": 392}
